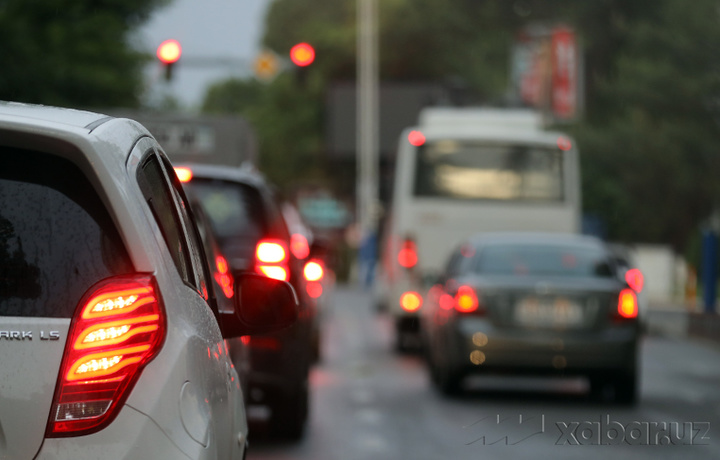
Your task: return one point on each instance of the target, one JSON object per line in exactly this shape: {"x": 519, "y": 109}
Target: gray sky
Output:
{"x": 204, "y": 28}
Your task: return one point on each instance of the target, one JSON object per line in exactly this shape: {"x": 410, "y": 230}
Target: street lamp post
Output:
{"x": 367, "y": 135}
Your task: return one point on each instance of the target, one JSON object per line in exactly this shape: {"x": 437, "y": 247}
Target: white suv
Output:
{"x": 111, "y": 342}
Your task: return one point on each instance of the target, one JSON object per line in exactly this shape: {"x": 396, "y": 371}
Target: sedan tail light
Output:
{"x": 411, "y": 301}
{"x": 627, "y": 304}
{"x": 118, "y": 328}
{"x": 271, "y": 259}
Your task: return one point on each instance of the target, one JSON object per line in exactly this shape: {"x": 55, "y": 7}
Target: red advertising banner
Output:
{"x": 546, "y": 72}
{"x": 564, "y": 89}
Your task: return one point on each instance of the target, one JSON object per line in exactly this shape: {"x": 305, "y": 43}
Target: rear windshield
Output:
{"x": 234, "y": 210}
{"x": 543, "y": 260}
{"x": 56, "y": 237}
{"x": 473, "y": 170}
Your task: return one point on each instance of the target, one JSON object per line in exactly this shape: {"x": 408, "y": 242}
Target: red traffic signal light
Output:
{"x": 169, "y": 51}
{"x": 302, "y": 54}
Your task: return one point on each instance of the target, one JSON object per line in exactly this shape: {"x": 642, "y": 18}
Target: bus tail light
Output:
{"x": 271, "y": 259}
{"x": 117, "y": 329}
{"x": 635, "y": 279}
{"x": 407, "y": 256}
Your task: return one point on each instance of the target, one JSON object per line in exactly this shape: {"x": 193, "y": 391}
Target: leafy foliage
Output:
{"x": 71, "y": 52}
{"x": 649, "y": 134}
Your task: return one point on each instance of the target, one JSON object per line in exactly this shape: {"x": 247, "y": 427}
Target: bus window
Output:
{"x": 474, "y": 170}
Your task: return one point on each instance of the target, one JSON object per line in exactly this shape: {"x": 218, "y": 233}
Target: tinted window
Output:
{"x": 159, "y": 198}
{"x": 472, "y": 170}
{"x": 56, "y": 237}
{"x": 558, "y": 260}
{"x": 233, "y": 209}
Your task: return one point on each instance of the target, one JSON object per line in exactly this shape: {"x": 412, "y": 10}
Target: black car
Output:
{"x": 534, "y": 303}
{"x": 248, "y": 225}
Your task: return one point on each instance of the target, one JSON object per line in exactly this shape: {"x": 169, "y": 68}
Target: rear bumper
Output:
{"x": 475, "y": 345}
{"x": 131, "y": 436}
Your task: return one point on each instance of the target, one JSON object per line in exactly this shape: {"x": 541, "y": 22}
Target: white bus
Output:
{"x": 464, "y": 171}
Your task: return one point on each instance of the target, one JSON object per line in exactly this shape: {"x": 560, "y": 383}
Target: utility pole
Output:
{"x": 367, "y": 135}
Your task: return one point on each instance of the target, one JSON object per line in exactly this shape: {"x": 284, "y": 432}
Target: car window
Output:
{"x": 529, "y": 259}
{"x": 195, "y": 246}
{"x": 56, "y": 236}
{"x": 233, "y": 209}
{"x": 161, "y": 202}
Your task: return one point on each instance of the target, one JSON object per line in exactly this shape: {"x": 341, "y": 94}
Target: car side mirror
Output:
{"x": 262, "y": 305}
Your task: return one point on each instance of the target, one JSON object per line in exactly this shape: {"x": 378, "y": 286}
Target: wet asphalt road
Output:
{"x": 368, "y": 402}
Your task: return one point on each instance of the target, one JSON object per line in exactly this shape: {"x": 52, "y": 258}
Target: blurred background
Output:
{"x": 640, "y": 95}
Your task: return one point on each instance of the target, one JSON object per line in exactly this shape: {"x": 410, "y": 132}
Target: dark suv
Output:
{"x": 248, "y": 224}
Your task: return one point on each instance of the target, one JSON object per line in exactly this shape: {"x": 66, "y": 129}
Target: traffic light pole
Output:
{"x": 367, "y": 136}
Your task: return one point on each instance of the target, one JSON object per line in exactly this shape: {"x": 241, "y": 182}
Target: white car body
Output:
{"x": 187, "y": 401}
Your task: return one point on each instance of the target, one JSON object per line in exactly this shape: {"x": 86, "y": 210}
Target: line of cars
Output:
{"x": 254, "y": 236}
{"x": 495, "y": 196}
{"x": 117, "y": 311}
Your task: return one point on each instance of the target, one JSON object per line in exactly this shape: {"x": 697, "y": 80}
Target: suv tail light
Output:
{"x": 184, "y": 174}
{"x": 314, "y": 272}
{"x": 117, "y": 329}
{"x": 627, "y": 304}
{"x": 271, "y": 259}
{"x": 299, "y": 246}
{"x": 407, "y": 257}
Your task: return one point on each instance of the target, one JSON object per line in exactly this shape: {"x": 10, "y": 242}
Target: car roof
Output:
{"x": 245, "y": 175}
{"x": 55, "y": 115}
{"x": 541, "y": 238}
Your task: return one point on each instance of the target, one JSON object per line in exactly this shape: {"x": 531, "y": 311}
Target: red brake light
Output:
{"x": 314, "y": 289}
{"x": 635, "y": 279}
{"x": 313, "y": 271}
{"x": 466, "y": 300}
{"x": 411, "y": 301}
{"x": 299, "y": 246}
{"x": 223, "y": 276}
{"x": 118, "y": 328}
{"x": 271, "y": 259}
{"x": 416, "y": 138}
{"x": 407, "y": 257}
{"x": 627, "y": 304}
{"x": 271, "y": 251}
{"x": 183, "y": 174}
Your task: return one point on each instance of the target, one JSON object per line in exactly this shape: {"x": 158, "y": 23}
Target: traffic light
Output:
{"x": 169, "y": 53}
{"x": 302, "y": 54}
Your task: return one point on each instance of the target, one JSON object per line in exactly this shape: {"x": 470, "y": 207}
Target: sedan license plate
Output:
{"x": 556, "y": 312}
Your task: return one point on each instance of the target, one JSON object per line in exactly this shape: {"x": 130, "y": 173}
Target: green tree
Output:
{"x": 649, "y": 134}
{"x": 72, "y": 52}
